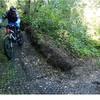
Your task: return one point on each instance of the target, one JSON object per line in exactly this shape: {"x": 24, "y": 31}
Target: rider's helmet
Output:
{"x": 12, "y": 9}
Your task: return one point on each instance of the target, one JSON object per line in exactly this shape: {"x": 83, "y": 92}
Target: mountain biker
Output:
{"x": 13, "y": 17}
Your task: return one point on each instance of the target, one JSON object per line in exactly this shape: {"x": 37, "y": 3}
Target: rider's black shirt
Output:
{"x": 11, "y": 17}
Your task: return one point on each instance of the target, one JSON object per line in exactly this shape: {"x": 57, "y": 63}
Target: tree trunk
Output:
{"x": 27, "y": 7}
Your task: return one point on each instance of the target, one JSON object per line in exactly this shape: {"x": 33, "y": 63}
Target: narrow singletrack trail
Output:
{"x": 33, "y": 75}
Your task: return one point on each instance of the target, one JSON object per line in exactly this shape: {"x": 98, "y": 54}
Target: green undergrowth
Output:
{"x": 3, "y": 58}
{"x": 77, "y": 47}
{"x": 62, "y": 21}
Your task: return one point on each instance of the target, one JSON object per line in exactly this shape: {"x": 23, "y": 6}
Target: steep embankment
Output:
{"x": 54, "y": 55}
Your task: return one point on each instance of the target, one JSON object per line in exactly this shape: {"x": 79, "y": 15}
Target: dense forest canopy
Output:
{"x": 73, "y": 24}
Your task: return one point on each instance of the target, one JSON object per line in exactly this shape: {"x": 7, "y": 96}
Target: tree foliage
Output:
{"x": 58, "y": 17}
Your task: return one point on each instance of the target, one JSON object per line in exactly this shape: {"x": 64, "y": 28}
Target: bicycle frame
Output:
{"x": 10, "y": 33}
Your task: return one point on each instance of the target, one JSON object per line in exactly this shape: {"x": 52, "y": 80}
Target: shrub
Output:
{"x": 63, "y": 16}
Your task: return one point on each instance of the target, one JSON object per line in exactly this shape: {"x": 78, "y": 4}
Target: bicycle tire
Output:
{"x": 9, "y": 52}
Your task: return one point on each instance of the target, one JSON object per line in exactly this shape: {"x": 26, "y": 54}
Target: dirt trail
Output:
{"x": 35, "y": 76}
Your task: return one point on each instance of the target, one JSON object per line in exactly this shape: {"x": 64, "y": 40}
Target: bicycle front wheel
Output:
{"x": 8, "y": 48}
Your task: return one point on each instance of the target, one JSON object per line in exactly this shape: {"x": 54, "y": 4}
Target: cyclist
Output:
{"x": 13, "y": 17}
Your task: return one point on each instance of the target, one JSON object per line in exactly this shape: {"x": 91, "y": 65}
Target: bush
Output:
{"x": 59, "y": 17}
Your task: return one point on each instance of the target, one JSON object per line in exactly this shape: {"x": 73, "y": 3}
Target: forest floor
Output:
{"x": 31, "y": 74}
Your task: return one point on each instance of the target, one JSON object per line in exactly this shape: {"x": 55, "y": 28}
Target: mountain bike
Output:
{"x": 12, "y": 36}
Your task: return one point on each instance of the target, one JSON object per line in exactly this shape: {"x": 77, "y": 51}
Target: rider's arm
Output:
{"x": 18, "y": 18}
{"x": 4, "y": 16}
